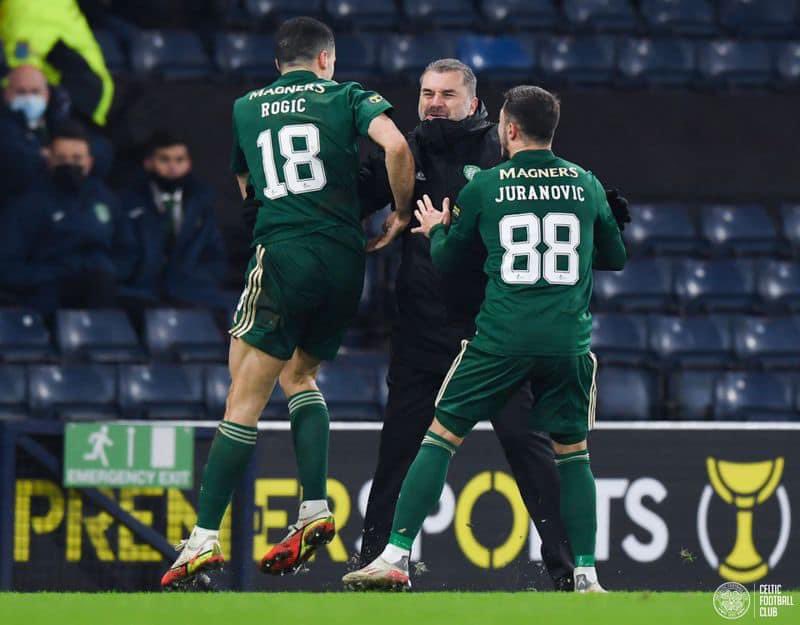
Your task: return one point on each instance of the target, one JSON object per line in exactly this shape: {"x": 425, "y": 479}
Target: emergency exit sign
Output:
{"x": 117, "y": 455}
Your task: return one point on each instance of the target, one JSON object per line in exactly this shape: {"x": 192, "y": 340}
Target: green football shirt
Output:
{"x": 297, "y": 138}
{"x": 544, "y": 221}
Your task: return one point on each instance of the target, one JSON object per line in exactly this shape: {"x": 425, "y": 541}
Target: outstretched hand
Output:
{"x": 428, "y": 216}
{"x": 393, "y": 227}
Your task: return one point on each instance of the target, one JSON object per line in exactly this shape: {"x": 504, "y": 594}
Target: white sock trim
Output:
{"x": 311, "y": 508}
{"x": 393, "y": 554}
{"x": 200, "y": 535}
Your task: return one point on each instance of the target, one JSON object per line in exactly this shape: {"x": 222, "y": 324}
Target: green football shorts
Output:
{"x": 299, "y": 293}
{"x": 479, "y": 385}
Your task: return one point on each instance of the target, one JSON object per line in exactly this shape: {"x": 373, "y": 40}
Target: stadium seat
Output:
{"x": 691, "y": 394}
{"x": 581, "y": 60}
{"x": 787, "y": 56}
{"x": 768, "y": 17}
{"x": 644, "y": 285}
{"x": 664, "y": 62}
{"x": 626, "y": 394}
{"x": 161, "y": 391}
{"x": 609, "y": 15}
{"x": 690, "y": 341}
{"x": 716, "y": 285}
{"x": 790, "y": 214}
{"x": 502, "y": 58}
{"x": 356, "y": 57}
{"x": 97, "y": 336}
{"x": 771, "y": 342}
{"x": 738, "y": 230}
{"x": 662, "y": 229}
{"x": 753, "y": 396}
{"x": 680, "y": 17}
{"x": 410, "y": 54}
{"x": 282, "y": 9}
{"x": 23, "y": 337}
{"x": 184, "y": 335}
{"x": 779, "y": 285}
{"x": 524, "y": 14}
{"x": 441, "y": 13}
{"x": 112, "y": 51}
{"x": 370, "y": 14}
{"x": 350, "y": 387}
{"x": 13, "y": 392}
{"x": 245, "y": 55}
{"x": 735, "y": 63}
{"x": 619, "y": 339}
{"x": 73, "y": 392}
{"x": 171, "y": 54}
{"x": 217, "y": 381}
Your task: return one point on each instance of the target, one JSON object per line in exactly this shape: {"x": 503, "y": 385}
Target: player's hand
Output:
{"x": 250, "y": 206}
{"x": 619, "y": 207}
{"x": 428, "y": 216}
{"x": 393, "y": 227}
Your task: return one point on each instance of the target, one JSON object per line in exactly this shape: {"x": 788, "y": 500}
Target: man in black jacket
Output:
{"x": 453, "y": 140}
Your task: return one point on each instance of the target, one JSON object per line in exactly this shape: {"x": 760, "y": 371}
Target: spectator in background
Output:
{"x": 180, "y": 255}
{"x": 65, "y": 243}
{"x": 23, "y": 131}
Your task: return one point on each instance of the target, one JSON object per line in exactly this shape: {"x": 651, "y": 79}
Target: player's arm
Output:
{"x": 399, "y": 164}
{"x": 609, "y": 249}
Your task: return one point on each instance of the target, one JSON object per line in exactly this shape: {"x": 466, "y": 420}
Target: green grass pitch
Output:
{"x": 445, "y": 608}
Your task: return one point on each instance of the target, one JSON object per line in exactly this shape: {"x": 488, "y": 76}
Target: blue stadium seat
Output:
{"x": 73, "y": 392}
{"x": 171, "y": 54}
{"x": 662, "y": 229}
{"x": 502, "y": 58}
{"x": 790, "y": 214}
{"x": 356, "y": 57}
{"x": 184, "y": 335}
{"x": 644, "y": 285}
{"x": 441, "y": 13}
{"x": 619, "y": 339}
{"x": 13, "y": 392}
{"x": 23, "y": 336}
{"x": 735, "y": 63}
{"x": 738, "y": 229}
{"x": 161, "y": 391}
{"x": 245, "y": 55}
{"x": 626, "y": 394}
{"x": 690, "y": 341}
{"x": 665, "y": 62}
{"x": 716, "y": 285}
{"x": 524, "y": 14}
{"x": 97, "y": 335}
{"x": 753, "y": 396}
{"x": 217, "y": 381}
{"x": 787, "y": 55}
{"x": 768, "y": 17}
{"x": 610, "y": 15}
{"x": 351, "y": 387}
{"x": 112, "y": 51}
{"x": 282, "y": 9}
{"x": 411, "y": 54}
{"x": 582, "y": 60}
{"x": 771, "y": 342}
{"x": 680, "y": 17}
{"x": 779, "y": 284}
{"x": 362, "y": 14}
{"x": 691, "y": 394}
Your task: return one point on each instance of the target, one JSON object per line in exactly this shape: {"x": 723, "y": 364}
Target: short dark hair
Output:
{"x": 535, "y": 110}
{"x": 302, "y": 39}
{"x": 163, "y": 139}
{"x": 70, "y": 129}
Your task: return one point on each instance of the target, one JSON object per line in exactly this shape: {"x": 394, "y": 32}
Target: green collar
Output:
{"x": 534, "y": 154}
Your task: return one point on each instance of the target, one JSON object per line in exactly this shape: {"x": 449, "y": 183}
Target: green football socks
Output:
{"x": 421, "y": 489}
{"x": 231, "y": 450}
{"x": 310, "y": 431}
{"x": 578, "y": 504}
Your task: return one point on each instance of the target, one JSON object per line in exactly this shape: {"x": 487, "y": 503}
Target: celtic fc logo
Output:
{"x": 731, "y": 600}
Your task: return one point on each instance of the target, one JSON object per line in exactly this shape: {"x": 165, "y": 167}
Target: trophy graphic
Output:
{"x": 744, "y": 485}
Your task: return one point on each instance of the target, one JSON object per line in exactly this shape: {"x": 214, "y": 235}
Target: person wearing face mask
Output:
{"x": 180, "y": 251}
{"x": 66, "y": 243}
{"x": 453, "y": 141}
{"x": 23, "y": 132}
